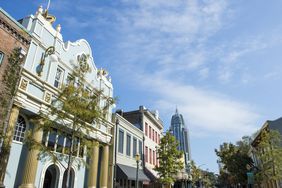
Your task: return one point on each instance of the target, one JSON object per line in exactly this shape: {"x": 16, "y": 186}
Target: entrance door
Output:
{"x": 71, "y": 179}
{"x": 51, "y": 177}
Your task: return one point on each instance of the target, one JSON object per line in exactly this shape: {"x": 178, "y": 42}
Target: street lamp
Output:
{"x": 137, "y": 158}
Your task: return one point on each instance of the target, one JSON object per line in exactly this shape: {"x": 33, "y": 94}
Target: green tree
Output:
{"x": 71, "y": 115}
{"x": 209, "y": 178}
{"x": 269, "y": 153}
{"x": 235, "y": 158}
{"x": 169, "y": 158}
{"x": 196, "y": 174}
{"x": 10, "y": 84}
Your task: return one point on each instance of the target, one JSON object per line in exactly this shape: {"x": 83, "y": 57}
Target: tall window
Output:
{"x": 146, "y": 129}
{"x": 140, "y": 149}
{"x": 153, "y": 157}
{"x": 58, "y": 77}
{"x": 134, "y": 152}
{"x": 60, "y": 143}
{"x": 128, "y": 144}
{"x": 1, "y": 57}
{"x": 120, "y": 141}
{"x": 153, "y": 134}
{"x": 146, "y": 153}
{"x": 52, "y": 139}
{"x": 156, "y": 137}
{"x": 150, "y": 153}
{"x": 70, "y": 79}
{"x": 20, "y": 129}
{"x": 150, "y": 130}
{"x": 159, "y": 139}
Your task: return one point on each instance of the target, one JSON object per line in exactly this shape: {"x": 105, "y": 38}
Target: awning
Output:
{"x": 150, "y": 174}
{"x": 127, "y": 172}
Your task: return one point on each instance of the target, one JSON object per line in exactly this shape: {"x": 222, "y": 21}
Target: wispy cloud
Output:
{"x": 166, "y": 47}
{"x": 206, "y": 111}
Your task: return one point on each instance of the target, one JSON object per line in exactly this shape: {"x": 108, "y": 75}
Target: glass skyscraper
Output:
{"x": 180, "y": 131}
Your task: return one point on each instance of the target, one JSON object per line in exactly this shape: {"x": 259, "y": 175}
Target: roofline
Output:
{"x": 13, "y": 20}
{"x": 149, "y": 114}
{"x": 265, "y": 125}
{"x": 126, "y": 121}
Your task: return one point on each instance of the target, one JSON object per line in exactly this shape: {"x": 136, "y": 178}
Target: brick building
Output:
{"x": 12, "y": 36}
{"x": 14, "y": 42}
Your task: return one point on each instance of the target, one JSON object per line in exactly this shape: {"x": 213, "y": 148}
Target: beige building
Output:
{"x": 129, "y": 143}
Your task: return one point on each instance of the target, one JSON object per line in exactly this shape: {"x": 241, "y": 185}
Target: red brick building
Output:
{"x": 14, "y": 44}
{"x": 13, "y": 36}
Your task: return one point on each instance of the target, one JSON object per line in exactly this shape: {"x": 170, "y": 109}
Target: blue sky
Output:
{"x": 218, "y": 61}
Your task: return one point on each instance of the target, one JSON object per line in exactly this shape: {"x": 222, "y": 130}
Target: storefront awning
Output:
{"x": 127, "y": 172}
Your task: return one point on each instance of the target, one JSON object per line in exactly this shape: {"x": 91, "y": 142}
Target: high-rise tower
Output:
{"x": 180, "y": 131}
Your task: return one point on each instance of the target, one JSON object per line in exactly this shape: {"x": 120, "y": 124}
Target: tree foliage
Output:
{"x": 269, "y": 153}
{"x": 10, "y": 84}
{"x": 209, "y": 178}
{"x": 234, "y": 159}
{"x": 72, "y": 115}
{"x": 169, "y": 159}
{"x": 195, "y": 173}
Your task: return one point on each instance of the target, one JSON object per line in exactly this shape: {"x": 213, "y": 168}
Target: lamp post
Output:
{"x": 137, "y": 158}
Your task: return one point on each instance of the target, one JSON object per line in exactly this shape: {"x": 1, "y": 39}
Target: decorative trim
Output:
{"x": 48, "y": 97}
{"x": 14, "y": 32}
{"x": 23, "y": 84}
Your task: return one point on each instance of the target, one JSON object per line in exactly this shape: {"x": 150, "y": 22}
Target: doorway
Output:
{"x": 71, "y": 180}
{"x": 51, "y": 177}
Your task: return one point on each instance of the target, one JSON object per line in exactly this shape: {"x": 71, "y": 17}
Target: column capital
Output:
{"x": 17, "y": 104}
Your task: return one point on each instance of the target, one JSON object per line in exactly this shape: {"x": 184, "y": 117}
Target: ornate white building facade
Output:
{"x": 48, "y": 65}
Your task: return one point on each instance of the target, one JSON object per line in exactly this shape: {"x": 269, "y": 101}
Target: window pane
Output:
{"x": 20, "y": 129}
{"x": 58, "y": 77}
{"x": 150, "y": 153}
{"x": 128, "y": 144}
{"x": 52, "y": 139}
{"x": 81, "y": 150}
{"x": 146, "y": 154}
{"x": 60, "y": 143}
{"x": 67, "y": 145}
{"x": 134, "y": 147}
{"x": 75, "y": 146}
{"x": 1, "y": 57}
{"x": 140, "y": 149}
{"x": 120, "y": 141}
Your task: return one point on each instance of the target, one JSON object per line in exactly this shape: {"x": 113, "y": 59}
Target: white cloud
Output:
{"x": 205, "y": 111}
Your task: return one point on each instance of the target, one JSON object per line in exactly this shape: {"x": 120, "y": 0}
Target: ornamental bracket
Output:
{"x": 49, "y": 51}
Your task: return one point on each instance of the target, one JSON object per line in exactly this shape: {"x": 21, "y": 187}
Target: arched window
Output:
{"x": 1, "y": 57}
{"x": 20, "y": 129}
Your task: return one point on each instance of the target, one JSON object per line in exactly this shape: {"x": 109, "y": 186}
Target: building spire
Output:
{"x": 176, "y": 110}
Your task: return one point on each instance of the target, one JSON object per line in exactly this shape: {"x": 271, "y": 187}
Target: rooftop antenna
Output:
{"x": 48, "y": 5}
{"x": 50, "y": 18}
{"x": 176, "y": 111}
